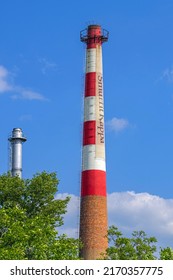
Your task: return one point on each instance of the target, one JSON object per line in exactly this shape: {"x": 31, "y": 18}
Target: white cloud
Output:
{"x": 129, "y": 211}
{"x": 4, "y": 84}
{"x": 28, "y": 94}
{"x": 117, "y": 124}
{"x": 168, "y": 75}
{"x": 17, "y": 91}
{"x": 141, "y": 211}
{"x": 47, "y": 65}
{"x": 25, "y": 117}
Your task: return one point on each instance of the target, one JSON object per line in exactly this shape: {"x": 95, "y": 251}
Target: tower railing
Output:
{"x": 103, "y": 37}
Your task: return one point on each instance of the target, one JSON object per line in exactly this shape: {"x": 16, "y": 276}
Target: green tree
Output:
{"x": 166, "y": 253}
{"x": 144, "y": 246}
{"x": 29, "y": 218}
{"x": 138, "y": 247}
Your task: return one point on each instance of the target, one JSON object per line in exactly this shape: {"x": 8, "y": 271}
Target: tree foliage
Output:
{"x": 29, "y": 218}
{"x": 166, "y": 253}
{"x": 137, "y": 247}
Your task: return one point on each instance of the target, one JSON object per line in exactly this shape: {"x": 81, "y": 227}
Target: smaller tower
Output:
{"x": 16, "y": 141}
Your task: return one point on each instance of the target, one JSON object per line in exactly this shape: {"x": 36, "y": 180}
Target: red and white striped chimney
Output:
{"x": 93, "y": 209}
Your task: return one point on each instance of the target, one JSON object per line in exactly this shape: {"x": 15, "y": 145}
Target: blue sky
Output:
{"x": 41, "y": 87}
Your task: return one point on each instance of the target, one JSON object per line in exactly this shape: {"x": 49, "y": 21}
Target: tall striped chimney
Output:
{"x": 93, "y": 208}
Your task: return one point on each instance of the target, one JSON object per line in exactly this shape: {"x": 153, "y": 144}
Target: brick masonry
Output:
{"x": 93, "y": 226}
